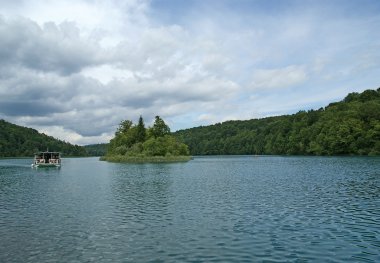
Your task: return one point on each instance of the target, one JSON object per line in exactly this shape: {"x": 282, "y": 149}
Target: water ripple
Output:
{"x": 212, "y": 209}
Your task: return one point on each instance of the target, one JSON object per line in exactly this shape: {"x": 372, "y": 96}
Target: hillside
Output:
{"x": 18, "y": 141}
{"x": 348, "y": 127}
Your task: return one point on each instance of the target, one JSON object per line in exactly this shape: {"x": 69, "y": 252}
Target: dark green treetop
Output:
{"x": 141, "y": 131}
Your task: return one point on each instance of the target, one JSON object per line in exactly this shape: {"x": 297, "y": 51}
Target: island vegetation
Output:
{"x": 18, "y": 141}
{"x": 348, "y": 127}
{"x": 135, "y": 143}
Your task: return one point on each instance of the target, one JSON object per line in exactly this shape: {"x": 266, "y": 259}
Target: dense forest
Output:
{"x": 137, "y": 143}
{"x": 18, "y": 141}
{"x": 96, "y": 149}
{"x": 348, "y": 127}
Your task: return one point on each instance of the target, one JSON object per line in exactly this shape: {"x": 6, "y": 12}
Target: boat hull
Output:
{"x": 41, "y": 165}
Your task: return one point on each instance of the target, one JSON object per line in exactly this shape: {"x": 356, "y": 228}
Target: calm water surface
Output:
{"x": 211, "y": 209}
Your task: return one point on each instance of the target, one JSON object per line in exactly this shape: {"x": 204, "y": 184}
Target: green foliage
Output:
{"x": 135, "y": 141}
{"x": 145, "y": 159}
{"x": 96, "y": 149}
{"x": 17, "y": 141}
{"x": 164, "y": 146}
{"x": 140, "y": 130}
{"x": 124, "y": 126}
{"x": 159, "y": 128}
{"x": 349, "y": 127}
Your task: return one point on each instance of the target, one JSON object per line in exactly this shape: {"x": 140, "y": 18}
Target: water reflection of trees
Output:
{"x": 363, "y": 187}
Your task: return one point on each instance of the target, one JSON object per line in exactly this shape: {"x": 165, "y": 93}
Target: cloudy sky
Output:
{"x": 75, "y": 68}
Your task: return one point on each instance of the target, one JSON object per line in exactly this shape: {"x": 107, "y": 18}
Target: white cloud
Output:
{"x": 71, "y": 136}
{"x": 106, "y": 73}
{"x": 279, "y": 78}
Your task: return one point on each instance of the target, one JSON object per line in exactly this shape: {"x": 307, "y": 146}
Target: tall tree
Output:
{"x": 124, "y": 126}
{"x": 141, "y": 131}
{"x": 160, "y": 128}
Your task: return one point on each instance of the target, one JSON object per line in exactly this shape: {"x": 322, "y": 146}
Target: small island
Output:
{"x": 137, "y": 144}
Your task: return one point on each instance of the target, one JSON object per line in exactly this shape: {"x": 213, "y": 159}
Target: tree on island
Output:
{"x": 135, "y": 142}
{"x": 141, "y": 131}
{"x": 124, "y": 126}
{"x": 159, "y": 128}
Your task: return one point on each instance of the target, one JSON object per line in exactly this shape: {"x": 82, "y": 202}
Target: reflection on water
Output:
{"x": 221, "y": 209}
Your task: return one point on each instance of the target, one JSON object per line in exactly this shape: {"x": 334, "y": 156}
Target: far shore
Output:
{"x": 145, "y": 159}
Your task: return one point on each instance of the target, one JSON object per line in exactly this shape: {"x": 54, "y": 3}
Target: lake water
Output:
{"x": 211, "y": 209}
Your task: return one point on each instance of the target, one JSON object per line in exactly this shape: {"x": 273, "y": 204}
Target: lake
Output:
{"x": 211, "y": 209}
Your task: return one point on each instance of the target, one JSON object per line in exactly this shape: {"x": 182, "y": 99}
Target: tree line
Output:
{"x": 348, "y": 127}
{"x": 18, "y": 141}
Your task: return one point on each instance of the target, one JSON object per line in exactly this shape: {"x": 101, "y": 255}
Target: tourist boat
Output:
{"x": 47, "y": 159}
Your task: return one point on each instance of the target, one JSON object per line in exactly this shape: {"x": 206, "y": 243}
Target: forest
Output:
{"x": 99, "y": 149}
{"x": 348, "y": 127}
{"x": 18, "y": 141}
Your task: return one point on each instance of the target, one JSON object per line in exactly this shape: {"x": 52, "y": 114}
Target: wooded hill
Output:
{"x": 18, "y": 141}
{"x": 348, "y": 127}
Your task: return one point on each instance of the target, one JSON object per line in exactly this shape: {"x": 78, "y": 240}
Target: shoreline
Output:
{"x": 147, "y": 159}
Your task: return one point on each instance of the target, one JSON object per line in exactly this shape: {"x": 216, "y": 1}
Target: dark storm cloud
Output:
{"x": 29, "y": 108}
{"x": 52, "y": 47}
{"x": 22, "y": 84}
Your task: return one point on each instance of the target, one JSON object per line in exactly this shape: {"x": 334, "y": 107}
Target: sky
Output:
{"x": 75, "y": 69}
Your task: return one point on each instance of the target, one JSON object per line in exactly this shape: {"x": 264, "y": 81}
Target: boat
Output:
{"x": 47, "y": 159}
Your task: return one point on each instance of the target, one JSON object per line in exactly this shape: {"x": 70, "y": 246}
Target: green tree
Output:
{"x": 124, "y": 126}
{"x": 159, "y": 128}
{"x": 140, "y": 130}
